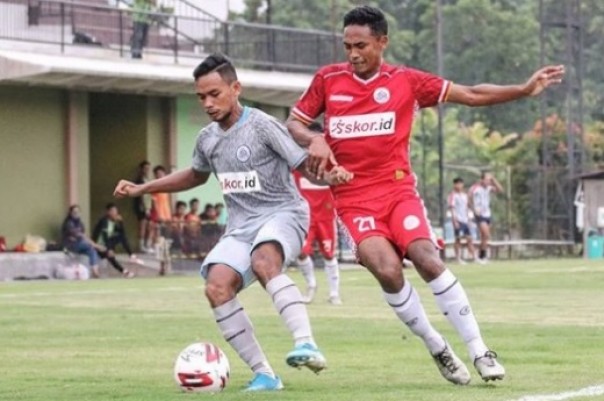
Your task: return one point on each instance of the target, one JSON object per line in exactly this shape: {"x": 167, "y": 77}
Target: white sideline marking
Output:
{"x": 88, "y": 292}
{"x": 590, "y": 391}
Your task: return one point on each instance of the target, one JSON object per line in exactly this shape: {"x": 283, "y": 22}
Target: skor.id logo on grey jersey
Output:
{"x": 240, "y": 182}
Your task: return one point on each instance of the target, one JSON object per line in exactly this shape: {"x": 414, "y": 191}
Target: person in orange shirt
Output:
{"x": 192, "y": 228}
{"x": 161, "y": 212}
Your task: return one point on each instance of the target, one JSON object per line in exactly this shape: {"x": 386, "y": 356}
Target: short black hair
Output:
{"x": 484, "y": 173}
{"x": 180, "y": 203}
{"x": 192, "y": 201}
{"x": 159, "y": 168}
{"x": 315, "y": 127}
{"x": 457, "y": 180}
{"x": 143, "y": 164}
{"x": 216, "y": 62}
{"x": 219, "y": 204}
{"x": 366, "y": 15}
{"x": 110, "y": 206}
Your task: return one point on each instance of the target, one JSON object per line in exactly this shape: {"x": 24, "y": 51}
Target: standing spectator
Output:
{"x": 161, "y": 212}
{"x": 141, "y": 18}
{"x": 480, "y": 198}
{"x": 76, "y": 241}
{"x": 109, "y": 232}
{"x": 221, "y": 214}
{"x": 142, "y": 207}
{"x": 178, "y": 225}
{"x": 458, "y": 204}
{"x": 192, "y": 229}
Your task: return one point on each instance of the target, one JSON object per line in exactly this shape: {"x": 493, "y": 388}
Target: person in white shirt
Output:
{"x": 458, "y": 204}
{"x": 480, "y": 198}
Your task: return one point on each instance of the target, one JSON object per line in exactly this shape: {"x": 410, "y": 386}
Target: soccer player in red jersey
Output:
{"x": 322, "y": 230}
{"x": 368, "y": 107}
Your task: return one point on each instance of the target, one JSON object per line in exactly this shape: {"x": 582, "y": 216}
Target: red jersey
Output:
{"x": 368, "y": 123}
{"x": 319, "y": 198}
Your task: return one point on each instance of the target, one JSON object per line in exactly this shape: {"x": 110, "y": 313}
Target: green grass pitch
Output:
{"x": 118, "y": 339}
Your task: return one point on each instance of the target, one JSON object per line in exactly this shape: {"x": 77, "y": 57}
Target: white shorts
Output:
{"x": 286, "y": 228}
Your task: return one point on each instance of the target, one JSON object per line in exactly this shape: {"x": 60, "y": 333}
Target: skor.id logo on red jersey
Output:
{"x": 240, "y": 182}
{"x": 362, "y": 125}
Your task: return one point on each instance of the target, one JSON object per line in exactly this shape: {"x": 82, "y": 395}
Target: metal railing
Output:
{"x": 69, "y": 23}
{"x": 194, "y": 240}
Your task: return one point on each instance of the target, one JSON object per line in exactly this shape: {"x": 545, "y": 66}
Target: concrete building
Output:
{"x": 590, "y": 213}
{"x": 76, "y": 117}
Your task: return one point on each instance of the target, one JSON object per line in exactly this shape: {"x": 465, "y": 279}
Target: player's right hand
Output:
{"x": 319, "y": 156}
{"x": 338, "y": 175}
{"x": 127, "y": 188}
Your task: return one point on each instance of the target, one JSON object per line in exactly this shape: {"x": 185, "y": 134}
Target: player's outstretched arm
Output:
{"x": 487, "y": 94}
{"x": 319, "y": 152}
{"x": 175, "y": 182}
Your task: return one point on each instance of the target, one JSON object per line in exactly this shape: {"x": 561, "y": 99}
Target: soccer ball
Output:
{"x": 202, "y": 367}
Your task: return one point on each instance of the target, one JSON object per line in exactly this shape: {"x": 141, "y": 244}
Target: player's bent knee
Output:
{"x": 267, "y": 261}
{"x": 219, "y": 293}
{"x": 390, "y": 276}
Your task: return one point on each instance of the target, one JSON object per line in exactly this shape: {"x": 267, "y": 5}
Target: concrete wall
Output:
{"x": 32, "y": 168}
{"x": 112, "y": 134}
{"x": 82, "y": 161}
{"x": 190, "y": 118}
{"x": 124, "y": 130}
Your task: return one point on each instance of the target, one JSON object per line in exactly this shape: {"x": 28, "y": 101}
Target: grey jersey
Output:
{"x": 252, "y": 160}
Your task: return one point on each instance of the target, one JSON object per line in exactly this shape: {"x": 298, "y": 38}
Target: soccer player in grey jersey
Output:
{"x": 252, "y": 155}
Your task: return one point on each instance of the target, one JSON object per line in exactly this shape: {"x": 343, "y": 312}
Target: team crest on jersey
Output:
{"x": 243, "y": 153}
{"x": 381, "y": 95}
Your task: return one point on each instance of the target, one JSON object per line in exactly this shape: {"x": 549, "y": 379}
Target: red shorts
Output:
{"x": 324, "y": 232}
{"x": 401, "y": 217}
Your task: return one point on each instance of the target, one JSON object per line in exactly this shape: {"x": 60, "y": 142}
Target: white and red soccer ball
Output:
{"x": 202, "y": 367}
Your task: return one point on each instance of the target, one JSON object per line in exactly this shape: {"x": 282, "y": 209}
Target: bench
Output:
{"x": 525, "y": 248}
{"x": 31, "y": 265}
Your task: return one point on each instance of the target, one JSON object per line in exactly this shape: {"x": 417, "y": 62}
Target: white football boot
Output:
{"x": 488, "y": 367}
{"x": 451, "y": 367}
{"x": 310, "y": 295}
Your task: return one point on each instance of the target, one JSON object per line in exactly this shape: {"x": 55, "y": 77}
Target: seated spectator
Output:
{"x": 221, "y": 214}
{"x": 109, "y": 233}
{"x": 193, "y": 215}
{"x": 76, "y": 241}
{"x": 209, "y": 214}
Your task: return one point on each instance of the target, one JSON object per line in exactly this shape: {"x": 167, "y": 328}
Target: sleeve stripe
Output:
{"x": 296, "y": 112}
{"x": 444, "y": 93}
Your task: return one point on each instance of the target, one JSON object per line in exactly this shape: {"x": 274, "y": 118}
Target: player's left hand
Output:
{"x": 544, "y": 78}
{"x": 338, "y": 175}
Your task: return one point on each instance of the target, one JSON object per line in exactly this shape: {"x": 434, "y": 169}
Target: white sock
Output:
{"x": 333, "y": 276}
{"x": 238, "y": 331}
{"x": 308, "y": 271}
{"x": 288, "y": 302}
{"x": 408, "y": 308}
{"x": 453, "y": 302}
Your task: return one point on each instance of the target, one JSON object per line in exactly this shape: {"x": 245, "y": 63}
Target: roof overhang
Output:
{"x": 594, "y": 175}
{"x": 139, "y": 77}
